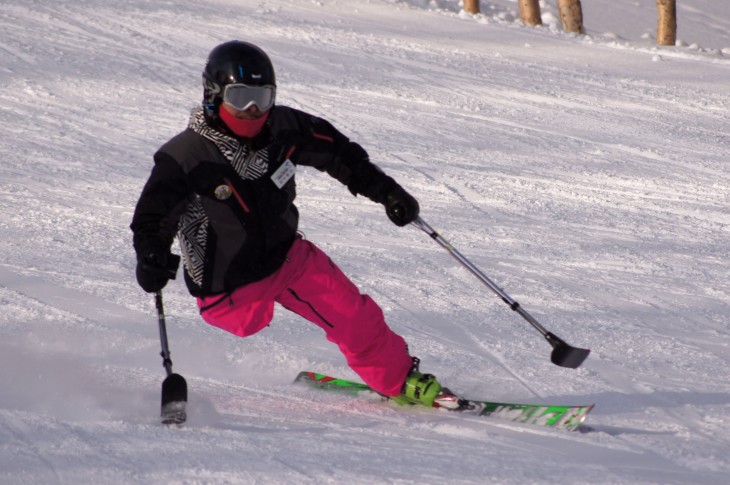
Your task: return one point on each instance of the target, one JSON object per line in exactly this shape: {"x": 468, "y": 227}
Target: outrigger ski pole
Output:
{"x": 563, "y": 354}
{"x": 174, "y": 387}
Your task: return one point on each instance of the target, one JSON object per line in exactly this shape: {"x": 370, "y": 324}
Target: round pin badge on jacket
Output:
{"x": 222, "y": 192}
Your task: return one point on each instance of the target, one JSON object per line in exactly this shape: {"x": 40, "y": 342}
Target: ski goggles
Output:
{"x": 243, "y": 96}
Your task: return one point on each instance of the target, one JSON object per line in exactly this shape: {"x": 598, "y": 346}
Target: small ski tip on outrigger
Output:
{"x": 174, "y": 388}
{"x": 563, "y": 355}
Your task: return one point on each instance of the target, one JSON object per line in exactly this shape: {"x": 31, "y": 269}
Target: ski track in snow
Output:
{"x": 587, "y": 175}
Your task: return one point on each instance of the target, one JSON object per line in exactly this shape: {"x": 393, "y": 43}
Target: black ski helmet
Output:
{"x": 233, "y": 62}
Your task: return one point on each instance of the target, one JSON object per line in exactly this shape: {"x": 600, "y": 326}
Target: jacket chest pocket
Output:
{"x": 227, "y": 190}
{"x": 260, "y": 197}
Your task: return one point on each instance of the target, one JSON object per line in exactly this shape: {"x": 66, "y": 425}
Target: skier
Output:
{"x": 225, "y": 186}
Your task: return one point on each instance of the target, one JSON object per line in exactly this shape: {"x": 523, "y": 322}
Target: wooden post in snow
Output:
{"x": 571, "y": 14}
{"x": 530, "y": 12}
{"x": 471, "y": 6}
{"x": 666, "y": 33}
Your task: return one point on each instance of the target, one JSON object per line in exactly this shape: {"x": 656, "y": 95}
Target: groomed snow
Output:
{"x": 587, "y": 175}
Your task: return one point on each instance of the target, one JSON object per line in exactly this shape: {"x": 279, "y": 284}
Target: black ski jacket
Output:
{"x": 230, "y": 200}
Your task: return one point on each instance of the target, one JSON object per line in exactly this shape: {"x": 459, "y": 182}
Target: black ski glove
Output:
{"x": 155, "y": 267}
{"x": 401, "y": 207}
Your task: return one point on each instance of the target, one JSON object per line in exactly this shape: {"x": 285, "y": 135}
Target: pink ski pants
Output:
{"x": 311, "y": 285}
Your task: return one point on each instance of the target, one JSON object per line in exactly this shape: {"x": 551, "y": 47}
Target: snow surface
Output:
{"x": 587, "y": 175}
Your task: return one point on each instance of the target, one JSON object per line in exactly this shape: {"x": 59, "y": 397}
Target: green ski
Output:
{"x": 552, "y": 416}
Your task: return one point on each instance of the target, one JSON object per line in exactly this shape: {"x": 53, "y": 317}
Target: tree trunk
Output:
{"x": 471, "y": 6}
{"x": 667, "y": 29}
{"x": 530, "y": 12}
{"x": 571, "y": 14}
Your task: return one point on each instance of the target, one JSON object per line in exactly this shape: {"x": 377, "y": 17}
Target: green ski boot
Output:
{"x": 419, "y": 389}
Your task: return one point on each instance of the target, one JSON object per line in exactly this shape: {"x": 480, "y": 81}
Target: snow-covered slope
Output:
{"x": 587, "y": 175}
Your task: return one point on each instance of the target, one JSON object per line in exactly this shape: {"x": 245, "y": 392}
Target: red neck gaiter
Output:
{"x": 245, "y": 128}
